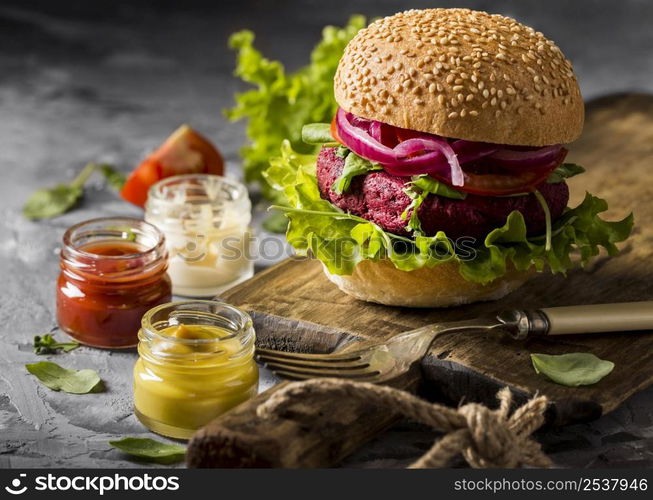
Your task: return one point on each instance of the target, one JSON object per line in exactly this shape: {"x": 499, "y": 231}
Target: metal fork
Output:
{"x": 381, "y": 361}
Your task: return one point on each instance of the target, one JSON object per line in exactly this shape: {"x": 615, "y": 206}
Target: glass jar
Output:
{"x": 196, "y": 362}
{"x": 113, "y": 270}
{"x": 205, "y": 219}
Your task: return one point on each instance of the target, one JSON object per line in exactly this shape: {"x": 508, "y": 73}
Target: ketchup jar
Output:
{"x": 113, "y": 270}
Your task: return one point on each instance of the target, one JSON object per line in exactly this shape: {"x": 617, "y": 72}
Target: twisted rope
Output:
{"x": 486, "y": 438}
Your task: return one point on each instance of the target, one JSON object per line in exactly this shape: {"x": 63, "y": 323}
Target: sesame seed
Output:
{"x": 453, "y": 114}
{"x": 473, "y": 113}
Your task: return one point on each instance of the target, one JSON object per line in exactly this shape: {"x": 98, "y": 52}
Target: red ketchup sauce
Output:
{"x": 112, "y": 272}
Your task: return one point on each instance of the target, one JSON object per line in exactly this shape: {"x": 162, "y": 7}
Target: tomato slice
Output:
{"x": 334, "y": 131}
{"x": 510, "y": 182}
{"x": 184, "y": 152}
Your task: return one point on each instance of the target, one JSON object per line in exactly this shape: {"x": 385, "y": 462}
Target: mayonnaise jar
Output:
{"x": 205, "y": 219}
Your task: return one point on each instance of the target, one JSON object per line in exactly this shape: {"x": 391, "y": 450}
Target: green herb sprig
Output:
{"x": 46, "y": 344}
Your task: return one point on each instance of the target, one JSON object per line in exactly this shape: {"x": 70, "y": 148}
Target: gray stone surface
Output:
{"x": 82, "y": 81}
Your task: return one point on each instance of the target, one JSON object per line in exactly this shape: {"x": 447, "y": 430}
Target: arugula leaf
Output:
{"x": 317, "y": 133}
{"x": 427, "y": 183}
{"x": 275, "y": 223}
{"x": 58, "y": 378}
{"x": 354, "y": 165}
{"x": 113, "y": 177}
{"x": 281, "y": 103}
{"x": 418, "y": 189}
{"x": 341, "y": 240}
{"x": 46, "y": 344}
{"x": 342, "y": 152}
{"x": 564, "y": 171}
{"x": 573, "y": 369}
{"x": 547, "y": 219}
{"x": 150, "y": 449}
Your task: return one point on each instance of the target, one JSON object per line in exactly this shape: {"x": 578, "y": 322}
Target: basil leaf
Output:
{"x": 564, "y": 171}
{"x": 354, "y": 166}
{"x": 113, "y": 177}
{"x": 46, "y": 344}
{"x": 58, "y": 378}
{"x": 317, "y": 133}
{"x": 275, "y": 223}
{"x": 48, "y": 203}
{"x": 150, "y": 449}
{"x": 573, "y": 369}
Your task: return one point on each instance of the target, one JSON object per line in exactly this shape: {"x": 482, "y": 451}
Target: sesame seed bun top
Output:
{"x": 464, "y": 74}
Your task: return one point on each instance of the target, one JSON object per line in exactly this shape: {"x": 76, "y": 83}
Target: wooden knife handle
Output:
{"x": 596, "y": 318}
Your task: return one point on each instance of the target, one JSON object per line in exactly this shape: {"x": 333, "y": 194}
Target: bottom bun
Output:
{"x": 439, "y": 286}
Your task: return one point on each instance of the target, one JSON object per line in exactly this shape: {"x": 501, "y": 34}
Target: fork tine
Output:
{"x": 312, "y": 364}
{"x": 271, "y": 353}
{"x": 297, "y": 364}
{"x": 295, "y": 371}
{"x": 305, "y": 376}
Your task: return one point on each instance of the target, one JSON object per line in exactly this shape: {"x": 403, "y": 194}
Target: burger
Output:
{"x": 441, "y": 179}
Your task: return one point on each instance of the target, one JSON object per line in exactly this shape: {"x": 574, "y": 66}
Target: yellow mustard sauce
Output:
{"x": 189, "y": 374}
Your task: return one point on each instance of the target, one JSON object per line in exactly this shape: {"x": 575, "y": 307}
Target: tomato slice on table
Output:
{"x": 184, "y": 152}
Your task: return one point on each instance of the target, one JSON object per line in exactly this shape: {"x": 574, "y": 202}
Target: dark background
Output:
{"x": 100, "y": 80}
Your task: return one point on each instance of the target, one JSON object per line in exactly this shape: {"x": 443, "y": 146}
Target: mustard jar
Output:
{"x": 196, "y": 361}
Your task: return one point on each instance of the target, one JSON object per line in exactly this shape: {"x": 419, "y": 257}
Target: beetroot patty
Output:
{"x": 379, "y": 197}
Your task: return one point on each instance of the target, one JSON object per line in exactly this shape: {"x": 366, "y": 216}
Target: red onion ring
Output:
{"x": 441, "y": 158}
{"x": 412, "y": 146}
{"x": 530, "y": 158}
{"x": 428, "y": 153}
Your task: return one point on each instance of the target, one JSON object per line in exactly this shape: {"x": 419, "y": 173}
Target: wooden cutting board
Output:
{"x": 296, "y": 308}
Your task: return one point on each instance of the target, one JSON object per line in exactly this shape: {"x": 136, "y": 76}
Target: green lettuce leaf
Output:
{"x": 281, "y": 103}
{"x": 341, "y": 240}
